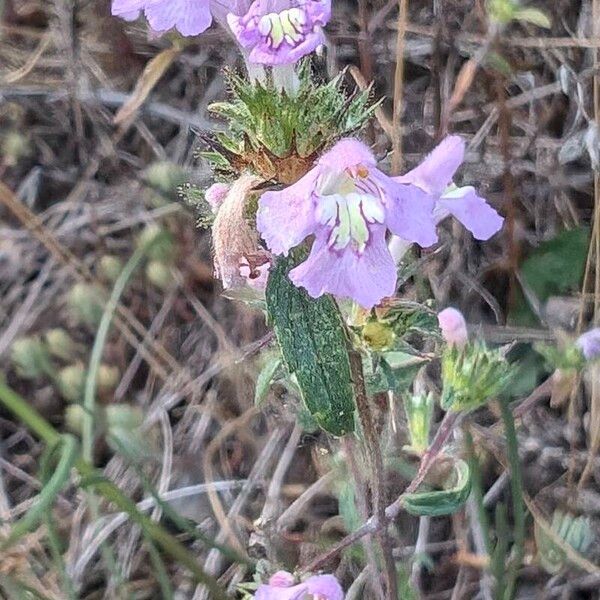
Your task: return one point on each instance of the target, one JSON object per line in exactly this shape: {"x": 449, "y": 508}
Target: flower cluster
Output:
{"x": 349, "y": 205}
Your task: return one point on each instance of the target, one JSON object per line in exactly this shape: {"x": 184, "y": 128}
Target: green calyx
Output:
{"x": 472, "y": 375}
{"x": 278, "y": 135}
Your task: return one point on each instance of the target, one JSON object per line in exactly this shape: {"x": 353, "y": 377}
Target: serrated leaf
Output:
{"x": 443, "y": 502}
{"x": 265, "y": 378}
{"x": 314, "y": 346}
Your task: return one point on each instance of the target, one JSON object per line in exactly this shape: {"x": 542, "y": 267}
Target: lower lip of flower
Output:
{"x": 288, "y": 26}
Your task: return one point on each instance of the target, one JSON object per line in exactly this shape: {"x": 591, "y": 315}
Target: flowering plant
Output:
{"x": 311, "y": 225}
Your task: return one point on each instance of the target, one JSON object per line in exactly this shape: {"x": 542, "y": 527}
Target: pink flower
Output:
{"x": 453, "y": 326}
{"x": 589, "y": 344}
{"x": 434, "y": 176}
{"x": 280, "y": 32}
{"x": 318, "y": 587}
{"x": 348, "y": 204}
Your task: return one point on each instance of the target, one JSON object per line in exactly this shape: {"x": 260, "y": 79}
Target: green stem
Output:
{"x": 516, "y": 487}
{"x": 40, "y": 427}
{"x": 89, "y": 398}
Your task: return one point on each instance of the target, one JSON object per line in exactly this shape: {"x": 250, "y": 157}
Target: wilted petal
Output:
{"x": 365, "y": 277}
{"x": 286, "y": 217}
{"x": 189, "y": 17}
{"x": 472, "y": 211}
{"x": 435, "y": 173}
{"x": 215, "y": 195}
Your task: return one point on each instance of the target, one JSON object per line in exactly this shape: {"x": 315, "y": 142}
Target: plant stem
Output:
{"x": 375, "y": 459}
{"x": 516, "y": 487}
{"x": 374, "y": 524}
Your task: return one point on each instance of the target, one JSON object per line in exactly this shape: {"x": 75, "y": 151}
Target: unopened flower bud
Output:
{"x": 419, "y": 410}
{"x": 108, "y": 378}
{"x": 589, "y": 344}
{"x": 164, "y": 176}
{"x": 453, "y": 326}
{"x": 85, "y": 305}
{"x": 110, "y": 267}
{"x": 74, "y": 418}
{"x": 71, "y": 382}
{"x": 30, "y": 358}
{"x": 15, "y": 146}
{"x": 216, "y": 194}
{"x": 60, "y": 344}
{"x": 378, "y": 335}
{"x": 158, "y": 242}
{"x": 281, "y": 579}
{"x": 159, "y": 274}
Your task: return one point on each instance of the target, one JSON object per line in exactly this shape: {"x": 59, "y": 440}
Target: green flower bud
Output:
{"x": 472, "y": 375}
{"x": 108, "y": 378}
{"x": 15, "y": 146}
{"x": 159, "y": 274}
{"x": 110, "y": 267}
{"x": 378, "y": 336}
{"x": 419, "y": 410}
{"x": 30, "y": 358}
{"x": 165, "y": 176}
{"x": 60, "y": 344}
{"x": 125, "y": 435}
{"x": 158, "y": 242}
{"x": 71, "y": 382}
{"x": 74, "y": 418}
{"x": 84, "y": 304}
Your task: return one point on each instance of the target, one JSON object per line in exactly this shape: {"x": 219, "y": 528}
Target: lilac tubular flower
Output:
{"x": 189, "y": 17}
{"x": 434, "y": 175}
{"x": 318, "y": 587}
{"x": 280, "y": 32}
{"x": 348, "y": 205}
{"x": 589, "y": 344}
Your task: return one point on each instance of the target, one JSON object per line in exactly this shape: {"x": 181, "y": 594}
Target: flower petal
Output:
{"x": 189, "y": 17}
{"x": 127, "y": 9}
{"x": 325, "y": 586}
{"x": 589, "y": 344}
{"x": 409, "y": 211}
{"x": 472, "y": 211}
{"x": 286, "y": 217}
{"x": 346, "y": 154}
{"x": 271, "y": 592}
{"x": 263, "y": 54}
{"x": 365, "y": 278}
{"x": 435, "y": 173}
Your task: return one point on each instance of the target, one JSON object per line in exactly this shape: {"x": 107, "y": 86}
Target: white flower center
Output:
{"x": 286, "y": 26}
{"x": 349, "y": 216}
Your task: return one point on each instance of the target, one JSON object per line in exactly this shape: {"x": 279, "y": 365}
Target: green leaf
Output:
{"x": 554, "y": 268}
{"x": 265, "y": 378}
{"x": 534, "y": 16}
{"x": 442, "y": 502}
{"x": 314, "y": 346}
